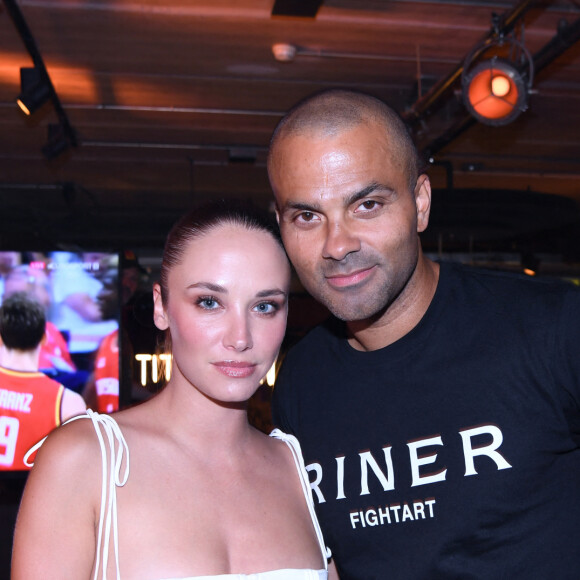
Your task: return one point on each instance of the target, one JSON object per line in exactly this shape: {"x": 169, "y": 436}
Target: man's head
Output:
{"x": 32, "y": 281}
{"x": 350, "y": 201}
{"x": 108, "y": 295}
{"x": 334, "y": 111}
{"x": 22, "y": 322}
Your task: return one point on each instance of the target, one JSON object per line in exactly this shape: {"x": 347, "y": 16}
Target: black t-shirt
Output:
{"x": 454, "y": 452}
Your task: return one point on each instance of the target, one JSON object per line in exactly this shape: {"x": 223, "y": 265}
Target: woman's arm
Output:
{"x": 55, "y": 528}
{"x": 332, "y": 573}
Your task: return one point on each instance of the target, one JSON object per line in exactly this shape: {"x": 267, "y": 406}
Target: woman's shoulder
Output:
{"x": 75, "y": 443}
{"x": 81, "y": 441}
{"x": 289, "y": 440}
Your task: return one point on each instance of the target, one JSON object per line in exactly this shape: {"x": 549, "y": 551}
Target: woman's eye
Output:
{"x": 267, "y": 308}
{"x": 207, "y": 302}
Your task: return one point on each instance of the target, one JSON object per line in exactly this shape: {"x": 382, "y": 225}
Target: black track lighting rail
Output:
{"x": 29, "y": 42}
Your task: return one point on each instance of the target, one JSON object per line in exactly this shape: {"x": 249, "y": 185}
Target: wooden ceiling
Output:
{"x": 173, "y": 102}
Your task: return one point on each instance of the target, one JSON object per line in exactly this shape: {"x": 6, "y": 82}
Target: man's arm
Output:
{"x": 72, "y": 404}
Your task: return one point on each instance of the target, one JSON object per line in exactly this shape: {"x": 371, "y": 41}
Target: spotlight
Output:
{"x": 35, "y": 91}
{"x": 284, "y": 52}
{"x": 58, "y": 142}
{"x": 495, "y": 90}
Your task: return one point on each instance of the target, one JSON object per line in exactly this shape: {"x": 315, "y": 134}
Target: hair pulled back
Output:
{"x": 205, "y": 218}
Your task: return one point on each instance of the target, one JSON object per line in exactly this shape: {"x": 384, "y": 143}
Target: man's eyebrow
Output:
{"x": 291, "y": 205}
{"x": 209, "y": 286}
{"x": 354, "y": 197}
{"x": 368, "y": 190}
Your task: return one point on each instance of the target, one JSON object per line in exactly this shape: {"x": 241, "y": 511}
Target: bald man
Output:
{"x": 438, "y": 408}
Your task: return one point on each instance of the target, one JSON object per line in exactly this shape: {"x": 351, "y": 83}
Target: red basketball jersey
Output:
{"x": 29, "y": 410}
{"x": 107, "y": 374}
{"x": 54, "y": 352}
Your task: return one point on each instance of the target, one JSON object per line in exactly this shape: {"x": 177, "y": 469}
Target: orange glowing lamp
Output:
{"x": 494, "y": 92}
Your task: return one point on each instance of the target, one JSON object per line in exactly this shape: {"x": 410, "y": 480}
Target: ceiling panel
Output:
{"x": 174, "y": 101}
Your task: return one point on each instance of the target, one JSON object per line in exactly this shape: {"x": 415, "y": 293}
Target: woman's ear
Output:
{"x": 159, "y": 314}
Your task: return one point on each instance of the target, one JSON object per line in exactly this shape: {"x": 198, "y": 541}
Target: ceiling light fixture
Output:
{"x": 296, "y": 8}
{"x": 59, "y": 140}
{"x": 496, "y": 87}
{"x": 284, "y": 52}
{"x": 35, "y": 91}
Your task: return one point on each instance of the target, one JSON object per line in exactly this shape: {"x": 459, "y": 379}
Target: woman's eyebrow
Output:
{"x": 209, "y": 286}
{"x": 221, "y": 289}
{"x": 271, "y": 292}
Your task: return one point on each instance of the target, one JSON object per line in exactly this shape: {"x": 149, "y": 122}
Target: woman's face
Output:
{"x": 226, "y": 311}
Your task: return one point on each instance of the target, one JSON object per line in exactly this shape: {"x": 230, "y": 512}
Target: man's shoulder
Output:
{"x": 330, "y": 331}
{"x": 510, "y": 284}
{"x": 315, "y": 352}
{"x": 48, "y": 383}
{"x": 30, "y": 379}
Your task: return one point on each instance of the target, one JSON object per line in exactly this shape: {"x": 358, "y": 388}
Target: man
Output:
{"x": 438, "y": 410}
{"x": 102, "y": 389}
{"x": 35, "y": 282}
{"x": 31, "y": 404}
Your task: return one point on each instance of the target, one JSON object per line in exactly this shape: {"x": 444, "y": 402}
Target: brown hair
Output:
{"x": 203, "y": 219}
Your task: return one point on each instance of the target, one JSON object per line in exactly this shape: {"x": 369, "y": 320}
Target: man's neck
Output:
{"x": 19, "y": 360}
{"x": 402, "y": 315}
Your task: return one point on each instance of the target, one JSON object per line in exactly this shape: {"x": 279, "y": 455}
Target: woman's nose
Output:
{"x": 238, "y": 333}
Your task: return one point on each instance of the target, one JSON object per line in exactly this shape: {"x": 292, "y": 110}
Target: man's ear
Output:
{"x": 159, "y": 314}
{"x": 423, "y": 202}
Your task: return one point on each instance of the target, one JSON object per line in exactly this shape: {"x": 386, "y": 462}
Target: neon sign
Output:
{"x": 155, "y": 360}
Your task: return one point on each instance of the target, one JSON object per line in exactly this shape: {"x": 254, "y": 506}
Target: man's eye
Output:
{"x": 368, "y": 205}
{"x": 306, "y": 216}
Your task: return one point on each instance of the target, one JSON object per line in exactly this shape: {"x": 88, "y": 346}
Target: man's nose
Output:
{"x": 340, "y": 241}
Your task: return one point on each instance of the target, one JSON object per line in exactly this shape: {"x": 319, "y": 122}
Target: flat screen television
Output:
{"x": 79, "y": 292}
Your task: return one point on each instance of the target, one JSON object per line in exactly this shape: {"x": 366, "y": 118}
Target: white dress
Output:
{"x": 113, "y": 450}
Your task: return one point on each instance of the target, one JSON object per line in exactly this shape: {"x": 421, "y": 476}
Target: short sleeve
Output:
{"x": 281, "y": 412}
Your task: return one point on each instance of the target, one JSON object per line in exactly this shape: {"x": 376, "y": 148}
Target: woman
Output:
{"x": 202, "y": 493}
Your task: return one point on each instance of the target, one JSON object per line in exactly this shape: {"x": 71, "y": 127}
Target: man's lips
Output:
{"x": 350, "y": 279}
{"x": 235, "y": 369}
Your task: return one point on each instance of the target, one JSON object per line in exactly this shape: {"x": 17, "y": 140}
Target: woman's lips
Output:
{"x": 234, "y": 369}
